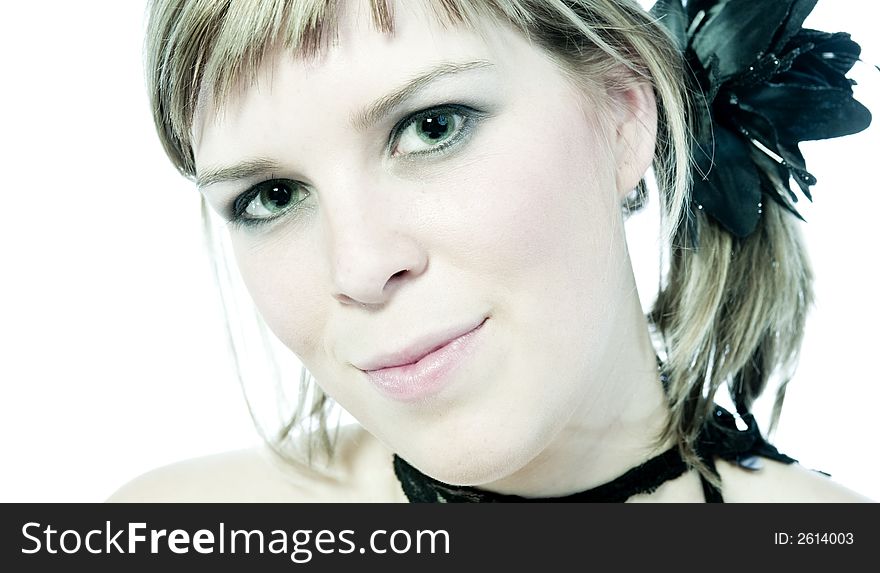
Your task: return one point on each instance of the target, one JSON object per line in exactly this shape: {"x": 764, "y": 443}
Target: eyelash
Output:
{"x": 237, "y": 218}
{"x": 469, "y": 115}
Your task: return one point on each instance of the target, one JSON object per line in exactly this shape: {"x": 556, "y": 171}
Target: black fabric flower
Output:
{"x": 766, "y": 84}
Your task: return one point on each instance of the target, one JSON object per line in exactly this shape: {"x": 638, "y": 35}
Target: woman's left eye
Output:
{"x": 432, "y": 130}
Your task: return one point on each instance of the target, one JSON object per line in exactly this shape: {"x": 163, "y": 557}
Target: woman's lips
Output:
{"x": 428, "y": 374}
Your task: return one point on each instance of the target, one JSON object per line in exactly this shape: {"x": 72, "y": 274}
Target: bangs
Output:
{"x": 223, "y": 44}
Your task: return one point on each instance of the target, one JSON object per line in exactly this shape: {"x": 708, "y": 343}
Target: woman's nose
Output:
{"x": 373, "y": 252}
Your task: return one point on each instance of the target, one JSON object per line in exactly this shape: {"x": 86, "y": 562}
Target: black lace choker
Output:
{"x": 641, "y": 479}
{"x": 720, "y": 438}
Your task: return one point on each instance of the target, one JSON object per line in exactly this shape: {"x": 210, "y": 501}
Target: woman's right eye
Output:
{"x": 267, "y": 201}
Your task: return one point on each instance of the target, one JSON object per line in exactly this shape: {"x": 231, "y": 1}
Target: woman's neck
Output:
{"x": 612, "y": 430}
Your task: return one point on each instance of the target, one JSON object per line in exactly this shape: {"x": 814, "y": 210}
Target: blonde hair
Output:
{"x": 728, "y": 311}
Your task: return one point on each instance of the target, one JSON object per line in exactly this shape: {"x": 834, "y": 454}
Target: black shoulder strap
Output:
{"x": 711, "y": 493}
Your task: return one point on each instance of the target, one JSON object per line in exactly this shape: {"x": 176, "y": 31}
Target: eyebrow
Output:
{"x": 369, "y": 116}
{"x": 383, "y": 107}
{"x": 244, "y": 170}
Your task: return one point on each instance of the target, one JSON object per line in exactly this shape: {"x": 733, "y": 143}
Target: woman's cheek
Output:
{"x": 283, "y": 281}
{"x": 530, "y": 203}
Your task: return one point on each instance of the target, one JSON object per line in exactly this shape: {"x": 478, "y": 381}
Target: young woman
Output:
{"x": 426, "y": 200}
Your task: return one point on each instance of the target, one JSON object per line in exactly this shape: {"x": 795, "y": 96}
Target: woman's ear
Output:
{"x": 635, "y": 137}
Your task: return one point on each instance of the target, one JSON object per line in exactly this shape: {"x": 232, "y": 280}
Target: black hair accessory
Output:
{"x": 764, "y": 85}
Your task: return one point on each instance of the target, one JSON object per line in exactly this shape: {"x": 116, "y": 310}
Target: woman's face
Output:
{"x": 496, "y": 208}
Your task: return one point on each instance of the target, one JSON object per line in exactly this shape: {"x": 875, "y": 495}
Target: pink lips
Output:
{"x": 422, "y": 368}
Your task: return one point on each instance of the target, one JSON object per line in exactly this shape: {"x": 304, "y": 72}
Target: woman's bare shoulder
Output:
{"x": 259, "y": 475}
{"x": 241, "y": 475}
{"x": 777, "y": 482}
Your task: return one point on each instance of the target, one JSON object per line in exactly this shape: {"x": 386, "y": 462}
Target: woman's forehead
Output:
{"x": 364, "y": 65}
{"x": 250, "y": 43}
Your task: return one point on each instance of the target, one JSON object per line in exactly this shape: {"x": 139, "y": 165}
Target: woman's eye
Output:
{"x": 431, "y": 130}
{"x": 267, "y": 200}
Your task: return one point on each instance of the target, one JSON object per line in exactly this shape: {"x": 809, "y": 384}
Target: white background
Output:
{"x": 112, "y": 345}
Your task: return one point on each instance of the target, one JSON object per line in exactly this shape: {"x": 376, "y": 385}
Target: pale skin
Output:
{"x": 518, "y": 221}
